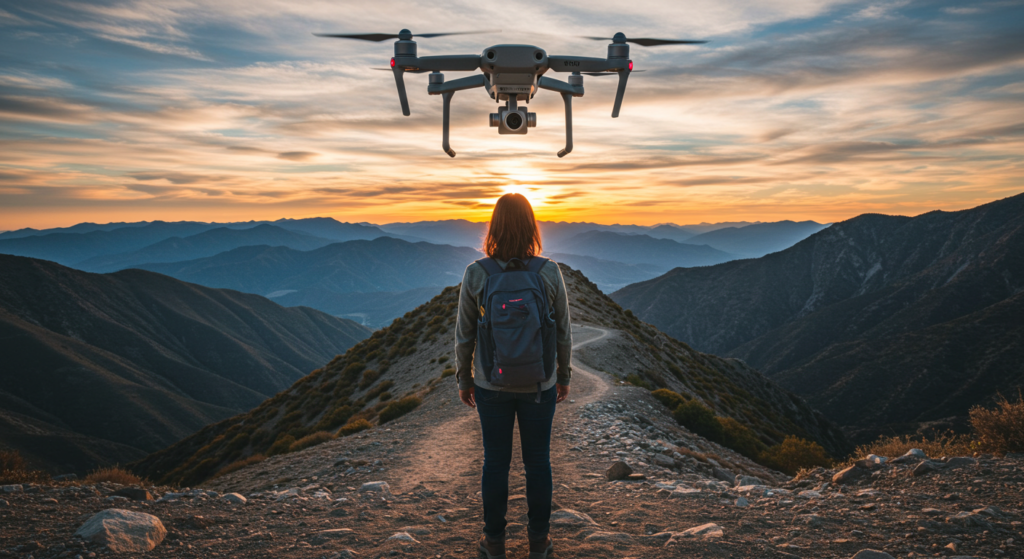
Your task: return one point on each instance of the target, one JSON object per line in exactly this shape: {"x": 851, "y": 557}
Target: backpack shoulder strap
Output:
{"x": 490, "y": 266}
{"x": 536, "y": 263}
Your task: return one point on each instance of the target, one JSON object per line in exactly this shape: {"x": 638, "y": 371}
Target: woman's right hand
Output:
{"x": 468, "y": 397}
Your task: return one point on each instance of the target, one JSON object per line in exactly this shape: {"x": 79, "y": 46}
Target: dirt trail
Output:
{"x": 450, "y": 454}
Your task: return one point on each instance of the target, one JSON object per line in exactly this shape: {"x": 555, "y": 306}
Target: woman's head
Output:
{"x": 513, "y": 231}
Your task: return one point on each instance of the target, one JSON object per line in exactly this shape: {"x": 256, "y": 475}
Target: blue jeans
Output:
{"x": 498, "y": 412}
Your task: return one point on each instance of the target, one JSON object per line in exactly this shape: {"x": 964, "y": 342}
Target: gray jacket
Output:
{"x": 469, "y": 314}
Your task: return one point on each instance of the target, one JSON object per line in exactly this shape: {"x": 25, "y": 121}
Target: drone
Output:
{"x": 510, "y": 73}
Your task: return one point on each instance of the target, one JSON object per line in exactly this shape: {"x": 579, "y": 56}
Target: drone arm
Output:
{"x": 450, "y": 63}
{"x": 567, "y": 98}
{"x": 400, "y": 82}
{"x": 623, "y": 76}
{"x": 585, "y": 64}
{"x": 552, "y": 84}
{"x": 446, "y": 91}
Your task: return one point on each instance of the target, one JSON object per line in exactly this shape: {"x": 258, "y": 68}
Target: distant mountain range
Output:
{"x": 754, "y": 241}
{"x": 643, "y": 249}
{"x": 884, "y": 322}
{"x": 99, "y": 369}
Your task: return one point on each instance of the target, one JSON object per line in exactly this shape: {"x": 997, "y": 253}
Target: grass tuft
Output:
{"x": 114, "y": 474}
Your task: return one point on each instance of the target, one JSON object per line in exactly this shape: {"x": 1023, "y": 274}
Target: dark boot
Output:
{"x": 492, "y": 548}
{"x": 541, "y": 547}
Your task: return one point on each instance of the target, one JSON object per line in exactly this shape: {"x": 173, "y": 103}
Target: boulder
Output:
{"x": 927, "y": 467}
{"x": 850, "y": 475}
{"x": 569, "y": 517}
{"x": 664, "y": 461}
{"x": 123, "y": 531}
{"x": 403, "y": 537}
{"x": 960, "y": 462}
{"x": 133, "y": 493}
{"x": 234, "y": 498}
{"x": 725, "y": 475}
{"x": 742, "y": 480}
{"x": 872, "y": 554}
{"x": 619, "y": 470}
{"x": 381, "y": 487}
{"x": 613, "y": 537}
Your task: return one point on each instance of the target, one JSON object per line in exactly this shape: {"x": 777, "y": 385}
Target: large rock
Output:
{"x": 618, "y": 470}
{"x": 123, "y": 531}
{"x": 569, "y": 517}
{"x": 850, "y": 475}
{"x": 872, "y": 554}
{"x": 381, "y": 487}
{"x": 725, "y": 475}
{"x": 234, "y": 498}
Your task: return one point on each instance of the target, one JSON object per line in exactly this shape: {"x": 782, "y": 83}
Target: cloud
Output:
{"x": 297, "y": 155}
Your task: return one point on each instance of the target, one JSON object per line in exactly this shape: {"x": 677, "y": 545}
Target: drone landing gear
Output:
{"x": 568, "y": 90}
{"x": 437, "y": 86}
{"x": 567, "y": 97}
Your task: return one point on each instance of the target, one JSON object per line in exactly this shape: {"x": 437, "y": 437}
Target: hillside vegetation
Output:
{"x": 386, "y": 375}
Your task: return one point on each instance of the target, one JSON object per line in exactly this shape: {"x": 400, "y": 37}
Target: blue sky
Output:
{"x": 132, "y": 110}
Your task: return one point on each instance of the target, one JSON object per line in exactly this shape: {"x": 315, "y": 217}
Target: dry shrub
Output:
{"x": 239, "y": 464}
{"x": 738, "y": 437}
{"x": 794, "y": 454}
{"x": 313, "y": 439}
{"x": 700, "y": 457}
{"x": 394, "y": 410}
{"x": 668, "y": 397}
{"x": 114, "y": 474}
{"x": 447, "y": 372}
{"x": 281, "y": 445}
{"x": 948, "y": 444}
{"x": 699, "y": 419}
{"x": 1000, "y": 430}
{"x": 353, "y": 427}
{"x": 14, "y": 469}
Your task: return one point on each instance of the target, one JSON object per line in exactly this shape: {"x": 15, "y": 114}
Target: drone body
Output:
{"x": 510, "y": 74}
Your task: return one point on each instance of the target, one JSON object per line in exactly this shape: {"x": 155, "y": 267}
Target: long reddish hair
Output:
{"x": 513, "y": 230}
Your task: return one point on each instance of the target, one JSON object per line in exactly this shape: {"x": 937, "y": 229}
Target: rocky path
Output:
{"x": 400, "y": 490}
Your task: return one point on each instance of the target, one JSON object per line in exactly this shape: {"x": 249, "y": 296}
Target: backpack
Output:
{"x": 516, "y": 338}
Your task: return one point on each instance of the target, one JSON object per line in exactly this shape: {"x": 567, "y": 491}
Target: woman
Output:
{"x": 513, "y": 245}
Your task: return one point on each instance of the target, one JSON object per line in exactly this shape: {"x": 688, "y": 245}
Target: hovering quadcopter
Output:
{"x": 511, "y": 74}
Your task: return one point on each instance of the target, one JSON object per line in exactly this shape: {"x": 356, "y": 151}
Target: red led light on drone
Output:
{"x": 393, "y": 63}
{"x": 630, "y": 65}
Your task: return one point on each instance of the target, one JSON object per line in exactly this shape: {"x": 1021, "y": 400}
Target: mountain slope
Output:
{"x": 139, "y": 359}
{"x": 202, "y": 245}
{"x": 642, "y": 249}
{"x": 409, "y": 357}
{"x": 852, "y": 300}
{"x": 759, "y": 239}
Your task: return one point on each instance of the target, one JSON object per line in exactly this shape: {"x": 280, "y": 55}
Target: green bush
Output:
{"x": 669, "y": 398}
{"x": 369, "y": 376}
{"x": 337, "y": 417}
{"x": 354, "y": 427}
{"x": 394, "y": 410}
{"x": 795, "y": 454}
{"x": 636, "y": 380}
{"x": 698, "y": 418}
{"x": 449, "y": 371}
{"x": 281, "y": 445}
{"x": 738, "y": 437}
{"x": 384, "y": 396}
{"x": 310, "y": 440}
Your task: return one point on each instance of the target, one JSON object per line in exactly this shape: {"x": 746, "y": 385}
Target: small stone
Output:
{"x": 872, "y": 554}
{"x": 636, "y": 477}
{"x": 812, "y": 520}
{"x": 994, "y": 512}
{"x": 123, "y": 531}
{"x": 808, "y": 494}
{"x": 618, "y": 470}
{"x": 928, "y": 466}
{"x": 704, "y": 531}
{"x": 742, "y": 502}
{"x": 850, "y": 475}
{"x": 961, "y": 462}
{"x": 336, "y": 533}
{"x": 684, "y": 492}
{"x": 664, "y": 461}
{"x": 13, "y": 489}
{"x": 133, "y": 493}
{"x": 403, "y": 537}
{"x": 234, "y": 498}
{"x": 4, "y": 504}
{"x": 969, "y": 520}
{"x": 614, "y": 537}
{"x": 416, "y": 530}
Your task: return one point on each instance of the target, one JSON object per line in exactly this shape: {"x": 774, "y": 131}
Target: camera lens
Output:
{"x": 514, "y": 121}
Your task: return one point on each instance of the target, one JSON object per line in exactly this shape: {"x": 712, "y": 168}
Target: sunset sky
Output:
{"x": 232, "y": 110}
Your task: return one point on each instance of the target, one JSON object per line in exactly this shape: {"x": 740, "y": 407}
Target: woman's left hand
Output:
{"x": 562, "y": 391}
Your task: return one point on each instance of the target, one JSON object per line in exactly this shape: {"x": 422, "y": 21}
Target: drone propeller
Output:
{"x": 647, "y": 42}
{"x": 378, "y": 37}
{"x": 599, "y": 74}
